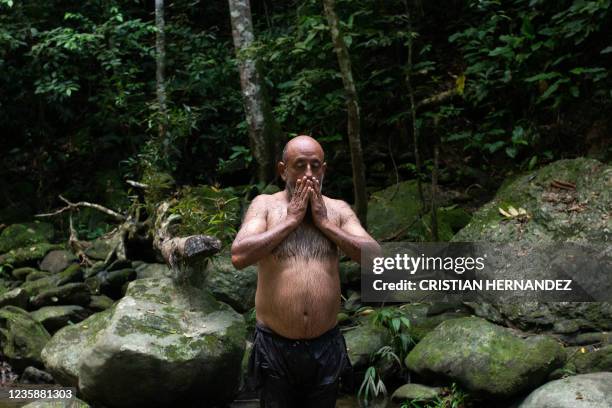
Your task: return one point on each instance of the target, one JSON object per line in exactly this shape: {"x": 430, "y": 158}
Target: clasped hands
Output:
{"x": 307, "y": 190}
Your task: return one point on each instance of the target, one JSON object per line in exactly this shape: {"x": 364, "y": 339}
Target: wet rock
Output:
{"x": 363, "y": 341}
{"x": 154, "y": 270}
{"x": 22, "y": 273}
{"x": 230, "y": 285}
{"x": 54, "y": 318}
{"x": 484, "y": 358}
{"x": 418, "y": 392}
{"x": 580, "y": 391}
{"x": 193, "y": 343}
{"x": 32, "y": 375}
{"x": 15, "y": 297}
{"x": 57, "y": 261}
{"x": 100, "y": 302}
{"x": 68, "y": 294}
{"x": 21, "y": 338}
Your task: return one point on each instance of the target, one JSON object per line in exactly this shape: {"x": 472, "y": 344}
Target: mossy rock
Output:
{"x": 193, "y": 343}
{"x": 422, "y": 321}
{"x": 236, "y": 287}
{"x": 54, "y": 318}
{"x": 484, "y": 358}
{"x": 20, "y": 235}
{"x": 69, "y": 294}
{"x": 393, "y": 214}
{"x": 363, "y": 341}
{"x": 22, "y": 273}
{"x": 418, "y": 392}
{"x": 61, "y": 355}
{"x": 21, "y": 337}
{"x": 14, "y": 297}
{"x": 586, "y": 390}
{"x": 72, "y": 274}
{"x": 27, "y": 255}
{"x": 583, "y": 360}
{"x": 553, "y": 212}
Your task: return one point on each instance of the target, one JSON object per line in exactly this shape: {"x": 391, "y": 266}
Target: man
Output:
{"x": 294, "y": 236}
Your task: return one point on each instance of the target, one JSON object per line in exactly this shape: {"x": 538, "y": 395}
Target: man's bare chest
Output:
{"x": 306, "y": 241}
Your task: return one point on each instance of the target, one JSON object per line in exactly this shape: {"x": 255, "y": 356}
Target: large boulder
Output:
{"x": 20, "y": 235}
{"x": 580, "y": 391}
{"x": 485, "y": 359}
{"x": 580, "y": 215}
{"x": 393, "y": 214}
{"x": 230, "y": 285}
{"x": 179, "y": 343}
{"x": 575, "y": 215}
{"x": 21, "y": 337}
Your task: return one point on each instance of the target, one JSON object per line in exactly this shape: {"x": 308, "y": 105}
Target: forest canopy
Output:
{"x": 499, "y": 86}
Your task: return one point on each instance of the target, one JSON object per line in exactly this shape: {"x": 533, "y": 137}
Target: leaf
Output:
{"x": 606, "y": 50}
{"x": 532, "y": 162}
{"x": 460, "y": 84}
{"x": 543, "y": 76}
{"x": 522, "y": 211}
{"x": 511, "y": 151}
{"x": 513, "y": 211}
{"x": 504, "y": 213}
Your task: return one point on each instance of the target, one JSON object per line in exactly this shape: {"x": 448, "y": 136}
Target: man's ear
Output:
{"x": 281, "y": 168}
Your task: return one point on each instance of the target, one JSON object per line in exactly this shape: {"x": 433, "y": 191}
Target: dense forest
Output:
{"x": 499, "y": 86}
{"x": 130, "y": 127}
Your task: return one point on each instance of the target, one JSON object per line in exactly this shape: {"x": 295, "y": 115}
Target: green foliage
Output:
{"x": 208, "y": 210}
{"x": 398, "y": 325}
{"x": 371, "y": 387}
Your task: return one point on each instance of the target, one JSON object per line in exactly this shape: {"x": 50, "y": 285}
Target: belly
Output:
{"x": 297, "y": 298}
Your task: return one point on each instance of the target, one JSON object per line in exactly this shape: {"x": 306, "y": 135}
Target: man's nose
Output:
{"x": 308, "y": 171}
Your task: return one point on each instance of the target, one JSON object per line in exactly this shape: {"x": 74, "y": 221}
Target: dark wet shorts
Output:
{"x": 298, "y": 373}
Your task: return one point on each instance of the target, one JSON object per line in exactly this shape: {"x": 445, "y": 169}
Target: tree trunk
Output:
{"x": 352, "y": 104}
{"x": 264, "y": 132}
{"x": 160, "y": 74}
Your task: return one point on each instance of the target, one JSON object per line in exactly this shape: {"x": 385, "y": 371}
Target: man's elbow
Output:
{"x": 237, "y": 262}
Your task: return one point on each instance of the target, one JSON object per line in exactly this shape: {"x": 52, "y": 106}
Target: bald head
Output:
{"x": 302, "y": 144}
{"x": 302, "y": 157}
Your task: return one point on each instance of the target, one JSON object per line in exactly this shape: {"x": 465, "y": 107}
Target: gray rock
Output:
{"x": 68, "y": 294}
{"x": 486, "y": 359}
{"x": 32, "y": 375}
{"x": 56, "y": 261}
{"x": 100, "y": 302}
{"x": 99, "y": 250}
{"x": 155, "y": 270}
{"x": 72, "y": 403}
{"x": 418, "y": 392}
{"x": 54, "y": 318}
{"x": 29, "y": 255}
{"x": 15, "y": 297}
{"x": 21, "y": 338}
{"x": 230, "y": 285}
{"x": 192, "y": 343}
{"x": 363, "y": 341}
{"x": 580, "y": 391}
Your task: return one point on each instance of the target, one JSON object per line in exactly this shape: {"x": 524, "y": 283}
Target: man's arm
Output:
{"x": 254, "y": 240}
{"x": 350, "y": 236}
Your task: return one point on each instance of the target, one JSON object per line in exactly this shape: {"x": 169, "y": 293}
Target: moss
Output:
{"x": 21, "y": 235}
{"x": 29, "y": 254}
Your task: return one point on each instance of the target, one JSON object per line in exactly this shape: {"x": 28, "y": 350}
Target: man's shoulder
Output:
{"x": 338, "y": 205}
{"x": 267, "y": 199}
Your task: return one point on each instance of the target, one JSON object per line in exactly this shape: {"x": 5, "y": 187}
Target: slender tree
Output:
{"x": 264, "y": 132}
{"x": 352, "y": 104}
{"x": 160, "y": 74}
